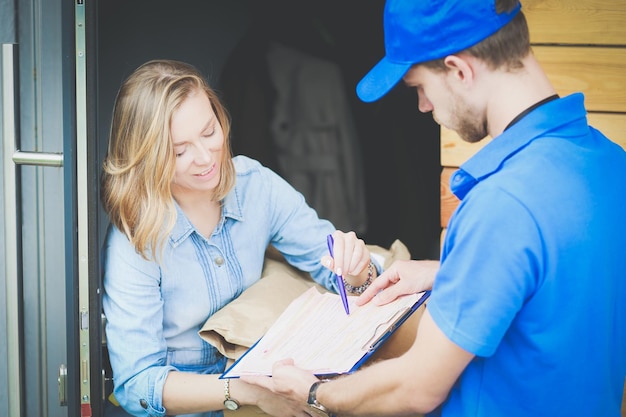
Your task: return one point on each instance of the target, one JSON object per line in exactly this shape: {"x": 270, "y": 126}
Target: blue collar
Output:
{"x": 538, "y": 122}
{"x": 530, "y": 109}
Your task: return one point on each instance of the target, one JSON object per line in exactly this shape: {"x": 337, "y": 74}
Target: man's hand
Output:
{"x": 401, "y": 278}
{"x": 287, "y": 380}
{"x": 285, "y": 394}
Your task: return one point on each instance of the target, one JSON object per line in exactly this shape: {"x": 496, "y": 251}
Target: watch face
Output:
{"x": 318, "y": 411}
{"x": 231, "y": 405}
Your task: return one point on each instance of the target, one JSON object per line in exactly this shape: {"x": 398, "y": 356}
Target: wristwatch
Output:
{"x": 314, "y": 405}
{"x": 230, "y": 403}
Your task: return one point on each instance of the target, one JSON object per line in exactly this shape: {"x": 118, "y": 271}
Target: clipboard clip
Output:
{"x": 395, "y": 320}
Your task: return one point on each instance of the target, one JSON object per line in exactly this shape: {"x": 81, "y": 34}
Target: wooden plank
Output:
{"x": 583, "y": 22}
{"x": 448, "y": 200}
{"x": 597, "y": 72}
{"x": 455, "y": 151}
{"x": 613, "y": 125}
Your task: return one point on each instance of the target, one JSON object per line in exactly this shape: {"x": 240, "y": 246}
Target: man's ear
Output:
{"x": 461, "y": 68}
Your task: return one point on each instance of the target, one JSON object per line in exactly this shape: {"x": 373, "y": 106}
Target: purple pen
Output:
{"x": 342, "y": 289}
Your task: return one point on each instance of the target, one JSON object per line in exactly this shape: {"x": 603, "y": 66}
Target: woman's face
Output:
{"x": 198, "y": 142}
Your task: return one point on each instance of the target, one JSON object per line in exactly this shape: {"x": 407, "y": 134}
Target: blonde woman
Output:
{"x": 189, "y": 228}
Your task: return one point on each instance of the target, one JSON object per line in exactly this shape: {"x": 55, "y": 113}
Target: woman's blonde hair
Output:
{"x": 139, "y": 167}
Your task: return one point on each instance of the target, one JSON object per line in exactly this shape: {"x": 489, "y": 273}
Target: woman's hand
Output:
{"x": 401, "y": 278}
{"x": 271, "y": 403}
{"x": 351, "y": 258}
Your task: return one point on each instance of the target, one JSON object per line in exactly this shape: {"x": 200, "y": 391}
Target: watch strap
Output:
{"x": 312, "y": 400}
{"x": 229, "y": 402}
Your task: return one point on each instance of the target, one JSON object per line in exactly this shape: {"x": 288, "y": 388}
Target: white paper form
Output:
{"x": 315, "y": 331}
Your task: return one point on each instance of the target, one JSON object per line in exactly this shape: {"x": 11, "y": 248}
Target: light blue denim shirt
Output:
{"x": 154, "y": 311}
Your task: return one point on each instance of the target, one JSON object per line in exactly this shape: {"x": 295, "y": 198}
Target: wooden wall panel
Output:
{"x": 454, "y": 150}
{"x": 599, "y": 72}
{"x": 581, "y": 22}
{"x": 448, "y": 200}
{"x": 613, "y": 125}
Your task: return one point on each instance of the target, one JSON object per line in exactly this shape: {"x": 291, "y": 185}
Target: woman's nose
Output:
{"x": 202, "y": 154}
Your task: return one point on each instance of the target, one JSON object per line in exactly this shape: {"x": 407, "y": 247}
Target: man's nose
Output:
{"x": 423, "y": 104}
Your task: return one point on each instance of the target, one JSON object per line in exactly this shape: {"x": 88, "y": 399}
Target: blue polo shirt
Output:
{"x": 533, "y": 271}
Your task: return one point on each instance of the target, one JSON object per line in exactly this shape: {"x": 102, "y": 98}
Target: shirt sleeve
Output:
{"x": 489, "y": 268}
{"x": 133, "y": 306}
{"x": 296, "y": 229}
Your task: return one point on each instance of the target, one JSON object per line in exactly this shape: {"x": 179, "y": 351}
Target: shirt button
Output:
{"x": 143, "y": 404}
{"x": 219, "y": 261}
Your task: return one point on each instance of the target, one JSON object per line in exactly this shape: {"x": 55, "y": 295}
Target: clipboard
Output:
{"x": 315, "y": 331}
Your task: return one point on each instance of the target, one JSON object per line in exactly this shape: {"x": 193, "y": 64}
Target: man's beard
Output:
{"x": 470, "y": 130}
{"x": 469, "y": 124}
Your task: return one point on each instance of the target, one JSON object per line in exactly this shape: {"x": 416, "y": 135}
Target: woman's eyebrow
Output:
{"x": 208, "y": 124}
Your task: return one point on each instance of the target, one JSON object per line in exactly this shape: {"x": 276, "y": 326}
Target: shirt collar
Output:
{"x": 537, "y": 123}
{"x": 232, "y": 208}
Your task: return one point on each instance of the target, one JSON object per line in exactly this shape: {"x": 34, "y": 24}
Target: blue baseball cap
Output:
{"x": 423, "y": 30}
